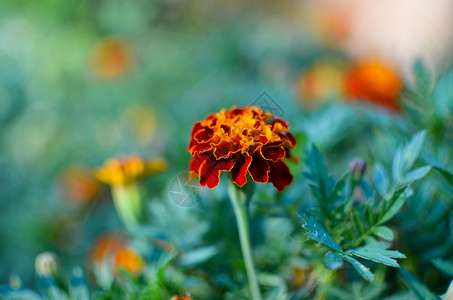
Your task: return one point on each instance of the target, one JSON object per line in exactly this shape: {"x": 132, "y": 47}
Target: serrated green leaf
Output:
{"x": 319, "y": 234}
{"x": 363, "y": 271}
{"x": 415, "y": 175}
{"x": 444, "y": 265}
{"x": 392, "y": 205}
{"x": 393, "y": 210}
{"x": 378, "y": 255}
{"x": 384, "y": 232}
{"x": 318, "y": 173}
{"x": 420, "y": 290}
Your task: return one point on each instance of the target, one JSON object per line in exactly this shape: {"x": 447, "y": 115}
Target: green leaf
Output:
{"x": 369, "y": 215}
{"x": 420, "y": 290}
{"x": 153, "y": 291}
{"x": 363, "y": 271}
{"x": 318, "y": 173}
{"x": 384, "y": 232}
{"x": 358, "y": 222}
{"x": 393, "y": 205}
{"x": 405, "y": 157}
{"x": 415, "y": 175}
{"x": 444, "y": 265}
{"x": 198, "y": 256}
{"x": 378, "y": 255}
{"x": 319, "y": 234}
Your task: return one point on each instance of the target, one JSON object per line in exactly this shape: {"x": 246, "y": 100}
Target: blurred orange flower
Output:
{"x": 107, "y": 246}
{"x": 241, "y": 141}
{"x": 80, "y": 184}
{"x": 123, "y": 171}
{"x": 110, "y": 58}
{"x": 129, "y": 259}
{"x": 111, "y": 250}
{"x": 375, "y": 81}
{"x": 183, "y": 297}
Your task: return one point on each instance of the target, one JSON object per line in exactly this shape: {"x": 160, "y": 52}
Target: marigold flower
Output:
{"x": 110, "y": 58}
{"x": 374, "y": 81}
{"x": 241, "y": 141}
{"x": 128, "y": 170}
{"x": 183, "y": 297}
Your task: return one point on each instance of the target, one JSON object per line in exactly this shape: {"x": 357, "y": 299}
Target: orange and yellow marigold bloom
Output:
{"x": 241, "y": 141}
{"x": 374, "y": 81}
{"x": 123, "y": 171}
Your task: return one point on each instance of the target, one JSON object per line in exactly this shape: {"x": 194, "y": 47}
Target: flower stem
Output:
{"x": 239, "y": 199}
{"x": 128, "y": 204}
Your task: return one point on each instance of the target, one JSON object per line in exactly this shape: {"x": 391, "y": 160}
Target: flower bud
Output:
{"x": 357, "y": 167}
{"x": 46, "y": 264}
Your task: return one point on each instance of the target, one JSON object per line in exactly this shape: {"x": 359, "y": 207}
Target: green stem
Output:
{"x": 239, "y": 199}
{"x": 128, "y": 204}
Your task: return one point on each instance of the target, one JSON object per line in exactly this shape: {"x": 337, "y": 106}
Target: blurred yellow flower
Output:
{"x": 141, "y": 122}
{"x": 127, "y": 170}
{"x": 110, "y": 58}
{"x": 320, "y": 83}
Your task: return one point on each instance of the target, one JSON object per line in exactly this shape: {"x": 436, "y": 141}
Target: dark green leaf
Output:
{"x": 363, "y": 271}
{"x": 319, "y": 234}
{"x": 378, "y": 255}
{"x": 444, "y": 265}
{"x": 420, "y": 290}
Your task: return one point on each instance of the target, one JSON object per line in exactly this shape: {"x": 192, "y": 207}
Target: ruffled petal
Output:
{"x": 225, "y": 149}
{"x": 196, "y": 162}
{"x": 211, "y": 169}
{"x": 239, "y": 172}
{"x": 259, "y": 169}
{"x": 273, "y": 153}
{"x": 280, "y": 175}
